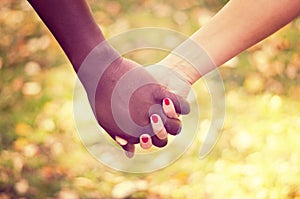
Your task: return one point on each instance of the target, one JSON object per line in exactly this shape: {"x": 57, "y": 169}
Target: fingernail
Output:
{"x": 169, "y": 108}
{"x": 167, "y": 101}
{"x": 121, "y": 141}
{"x": 145, "y": 139}
{"x": 154, "y": 118}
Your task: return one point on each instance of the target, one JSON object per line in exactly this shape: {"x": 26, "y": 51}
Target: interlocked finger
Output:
{"x": 145, "y": 141}
{"x": 169, "y": 108}
{"x": 129, "y": 150}
{"x": 161, "y": 129}
{"x": 158, "y": 127}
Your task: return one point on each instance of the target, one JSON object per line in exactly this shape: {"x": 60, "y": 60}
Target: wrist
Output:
{"x": 96, "y": 62}
{"x": 190, "y": 60}
{"x": 182, "y": 68}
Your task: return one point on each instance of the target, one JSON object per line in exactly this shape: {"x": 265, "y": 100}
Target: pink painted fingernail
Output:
{"x": 145, "y": 139}
{"x": 154, "y": 118}
{"x": 167, "y": 101}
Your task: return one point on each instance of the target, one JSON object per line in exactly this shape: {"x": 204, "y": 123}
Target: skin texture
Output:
{"x": 141, "y": 101}
{"x": 239, "y": 25}
{"x": 73, "y": 26}
{"x": 236, "y": 27}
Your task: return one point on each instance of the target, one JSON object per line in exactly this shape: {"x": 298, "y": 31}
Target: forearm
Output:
{"x": 73, "y": 26}
{"x": 239, "y": 25}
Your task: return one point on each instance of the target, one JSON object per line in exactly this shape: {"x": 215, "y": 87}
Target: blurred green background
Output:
{"x": 258, "y": 155}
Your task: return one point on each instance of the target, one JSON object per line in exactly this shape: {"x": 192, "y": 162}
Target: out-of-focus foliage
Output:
{"x": 258, "y": 155}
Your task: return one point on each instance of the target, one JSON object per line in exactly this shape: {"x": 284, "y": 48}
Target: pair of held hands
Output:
{"x": 136, "y": 104}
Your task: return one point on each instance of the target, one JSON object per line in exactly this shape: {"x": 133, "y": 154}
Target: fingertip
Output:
{"x": 184, "y": 107}
{"x": 173, "y": 126}
{"x": 180, "y": 104}
{"x": 129, "y": 154}
{"x": 145, "y": 141}
{"x": 159, "y": 142}
{"x": 158, "y": 127}
{"x": 155, "y": 119}
{"x": 169, "y": 109}
{"x": 129, "y": 150}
